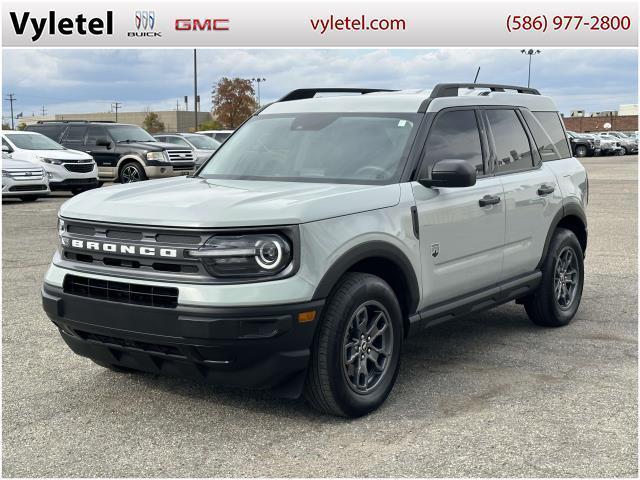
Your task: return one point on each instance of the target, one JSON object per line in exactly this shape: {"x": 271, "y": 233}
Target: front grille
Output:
{"x": 79, "y": 167}
{"x": 182, "y": 155}
{"x": 22, "y": 174}
{"x": 180, "y": 168}
{"x": 131, "y": 293}
{"x": 27, "y": 188}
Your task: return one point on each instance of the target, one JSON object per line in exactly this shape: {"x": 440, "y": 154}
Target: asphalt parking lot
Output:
{"x": 491, "y": 395}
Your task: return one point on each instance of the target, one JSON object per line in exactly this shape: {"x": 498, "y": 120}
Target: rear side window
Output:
{"x": 75, "y": 133}
{"x": 54, "y": 132}
{"x": 552, "y": 124}
{"x": 454, "y": 135}
{"x": 511, "y": 144}
{"x": 95, "y": 133}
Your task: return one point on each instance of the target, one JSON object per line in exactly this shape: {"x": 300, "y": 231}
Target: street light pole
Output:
{"x": 531, "y": 52}
{"x": 195, "y": 91}
{"x": 259, "y": 80}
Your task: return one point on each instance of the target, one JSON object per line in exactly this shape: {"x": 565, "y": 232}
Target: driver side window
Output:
{"x": 453, "y": 135}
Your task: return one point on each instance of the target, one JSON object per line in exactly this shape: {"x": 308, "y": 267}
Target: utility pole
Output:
{"x": 195, "y": 91}
{"x": 116, "y": 106}
{"x": 531, "y": 52}
{"x": 259, "y": 80}
{"x": 44, "y": 112}
{"x": 12, "y": 98}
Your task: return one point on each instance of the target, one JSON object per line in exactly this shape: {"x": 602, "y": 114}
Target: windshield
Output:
{"x": 203, "y": 142}
{"x": 131, "y": 133}
{"x": 317, "y": 147}
{"x": 33, "y": 141}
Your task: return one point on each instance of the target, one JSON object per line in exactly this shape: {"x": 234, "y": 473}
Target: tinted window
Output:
{"x": 512, "y": 148}
{"x": 75, "y": 133}
{"x": 553, "y": 126}
{"x": 94, "y": 133}
{"x": 454, "y": 135}
{"x": 546, "y": 147}
{"x": 52, "y": 131}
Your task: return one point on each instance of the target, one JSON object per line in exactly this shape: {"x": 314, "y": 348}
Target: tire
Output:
{"x": 112, "y": 367}
{"x": 29, "y": 199}
{"x": 543, "y": 307}
{"x": 331, "y": 385}
{"x": 131, "y": 172}
{"x": 623, "y": 151}
{"x": 581, "y": 151}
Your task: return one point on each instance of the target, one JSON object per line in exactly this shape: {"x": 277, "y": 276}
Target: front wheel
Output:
{"x": 581, "y": 151}
{"x": 355, "y": 356}
{"x": 132, "y": 172}
{"x": 555, "y": 302}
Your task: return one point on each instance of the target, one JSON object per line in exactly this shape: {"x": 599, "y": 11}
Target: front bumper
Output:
{"x": 167, "y": 170}
{"x": 255, "y": 347}
{"x": 22, "y": 188}
{"x": 73, "y": 183}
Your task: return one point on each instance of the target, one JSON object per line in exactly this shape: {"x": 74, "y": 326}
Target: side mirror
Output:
{"x": 6, "y": 149}
{"x": 451, "y": 173}
{"x": 103, "y": 142}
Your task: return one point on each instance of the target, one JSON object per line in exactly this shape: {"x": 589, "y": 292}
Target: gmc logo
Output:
{"x": 208, "y": 24}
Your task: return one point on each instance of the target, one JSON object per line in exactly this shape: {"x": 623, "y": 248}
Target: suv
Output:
{"x": 124, "y": 153}
{"x": 583, "y": 145}
{"x": 67, "y": 169}
{"x": 323, "y": 233}
{"x": 628, "y": 144}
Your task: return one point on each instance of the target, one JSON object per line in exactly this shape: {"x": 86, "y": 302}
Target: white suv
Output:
{"x": 323, "y": 233}
{"x": 68, "y": 169}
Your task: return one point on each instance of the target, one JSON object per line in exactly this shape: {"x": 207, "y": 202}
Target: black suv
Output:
{"x": 124, "y": 153}
{"x": 583, "y": 145}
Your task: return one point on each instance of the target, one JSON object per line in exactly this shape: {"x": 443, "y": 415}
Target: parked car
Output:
{"x": 68, "y": 169}
{"x": 302, "y": 261}
{"x": 610, "y": 145}
{"x": 219, "y": 135}
{"x": 583, "y": 145}
{"x": 203, "y": 146}
{"x": 628, "y": 143}
{"x": 23, "y": 179}
{"x": 124, "y": 153}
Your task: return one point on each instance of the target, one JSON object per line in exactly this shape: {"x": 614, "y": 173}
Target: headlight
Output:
{"x": 157, "y": 156}
{"x": 52, "y": 161}
{"x": 61, "y": 228}
{"x": 253, "y": 255}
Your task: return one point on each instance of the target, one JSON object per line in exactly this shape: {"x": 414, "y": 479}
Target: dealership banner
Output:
{"x": 241, "y": 23}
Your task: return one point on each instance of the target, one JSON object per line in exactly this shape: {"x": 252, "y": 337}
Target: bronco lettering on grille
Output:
{"x": 124, "y": 249}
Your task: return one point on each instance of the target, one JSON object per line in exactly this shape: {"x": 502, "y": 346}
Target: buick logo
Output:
{"x": 145, "y": 19}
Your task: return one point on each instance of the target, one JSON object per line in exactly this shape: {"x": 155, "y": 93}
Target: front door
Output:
{"x": 461, "y": 229}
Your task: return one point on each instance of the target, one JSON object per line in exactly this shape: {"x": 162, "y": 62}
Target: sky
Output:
{"x": 89, "y": 80}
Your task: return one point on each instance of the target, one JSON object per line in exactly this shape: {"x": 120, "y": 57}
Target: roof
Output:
{"x": 413, "y": 101}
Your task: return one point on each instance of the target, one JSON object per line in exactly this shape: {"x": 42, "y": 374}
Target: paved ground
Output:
{"x": 489, "y": 396}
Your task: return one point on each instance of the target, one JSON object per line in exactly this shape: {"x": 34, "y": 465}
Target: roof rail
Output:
{"x": 75, "y": 121}
{"x": 302, "y": 93}
{"x": 451, "y": 89}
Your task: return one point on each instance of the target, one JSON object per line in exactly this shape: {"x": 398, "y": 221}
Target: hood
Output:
{"x": 204, "y": 203}
{"x": 152, "y": 146}
{"x": 62, "y": 154}
{"x": 12, "y": 163}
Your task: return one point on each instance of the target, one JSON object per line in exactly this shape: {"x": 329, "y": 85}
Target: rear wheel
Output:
{"x": 131, "y": 172}
{"x": 581, "y": 151}
{"x": 355, "y": 357}
{"x": 555, "y": 302}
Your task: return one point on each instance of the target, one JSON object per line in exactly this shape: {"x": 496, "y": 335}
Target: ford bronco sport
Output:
{"x": 321, "y": 234}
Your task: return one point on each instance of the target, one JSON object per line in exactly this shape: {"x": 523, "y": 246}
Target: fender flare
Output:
{"x": 571, "y": 207}
{"x": 363, "y": 251}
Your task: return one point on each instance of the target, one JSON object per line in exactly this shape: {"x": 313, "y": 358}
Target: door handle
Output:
{"x": 545, "y": 190}
{"x": 489, "y": 200}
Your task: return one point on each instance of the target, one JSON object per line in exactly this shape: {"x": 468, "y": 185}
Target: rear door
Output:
{"x": 531, "y": 191}
{"x": 106, "y": 157}
{"x": 461, "y": 236}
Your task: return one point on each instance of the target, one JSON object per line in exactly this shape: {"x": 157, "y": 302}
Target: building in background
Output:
{"x": 174, "y": 121}
{"x": 625, "y": 119}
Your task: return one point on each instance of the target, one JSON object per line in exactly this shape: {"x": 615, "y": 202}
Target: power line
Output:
{"x": 12, "y": 98}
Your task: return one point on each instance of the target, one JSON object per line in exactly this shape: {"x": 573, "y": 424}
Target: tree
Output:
{"x": 6, "y": 126}
{"x": 21, "y": 126}
{"x": 233, "y": 101}
{"x": 210, "y": 125}
{"x": 152, "y": 123}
